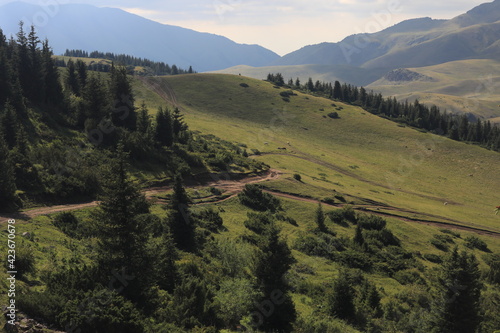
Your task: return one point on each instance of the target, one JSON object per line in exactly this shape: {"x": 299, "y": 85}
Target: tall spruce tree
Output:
{"x": 122, "y": 240}
{"x": 8, "y": 198}
{"x": 180, "y": 222}
{"x": 52, "y": 87}
{"x": 340, "y": 300}
{"x": 273, "y": 261}
{"x": 123, "y": 109}
{"x": 164, "y": 133}
{"x": 320, "y": 218}
{"x": 457, "y": 308}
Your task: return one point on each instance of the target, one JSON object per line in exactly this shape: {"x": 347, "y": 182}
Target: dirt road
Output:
{"x": 232, "y": 185}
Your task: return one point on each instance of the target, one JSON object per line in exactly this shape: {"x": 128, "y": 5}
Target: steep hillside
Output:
{"x": 73, "y": 26}
{"x": 359, "y": 155}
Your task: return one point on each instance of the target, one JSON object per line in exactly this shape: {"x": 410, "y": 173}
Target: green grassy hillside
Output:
{"x": 359, "y": 155}
{"x": 423, "y": 184}
{"x": 459, "y": 86}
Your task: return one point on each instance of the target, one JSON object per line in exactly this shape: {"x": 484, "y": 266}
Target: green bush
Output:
{"x": 334, "y": 115}
{"x": 45, "y": 305}
{"x": 68, "y": 223}
{"x": 297, "y": 177}
{"x": 433, "y": 258}
{"x": 258, "y": 222}
{"x": 371, "y": 222}
{"x": 474, "y": 242}
{"x": 25, "y": 261}
{"x": 409, "y": 276}
{"x": 252, "y": 196}
{"x": 439, "y": 244}
{"x": 102, "y": 310}
{"x": 321, "y": 245}
{"x": 210, "y": 219}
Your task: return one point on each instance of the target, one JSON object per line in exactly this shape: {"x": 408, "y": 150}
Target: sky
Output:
{"x": 283, "y": 26}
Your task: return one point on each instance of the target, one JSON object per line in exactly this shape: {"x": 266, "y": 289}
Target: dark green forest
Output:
{"x": 72, "y": 134}
{"x": 130, "y": 62}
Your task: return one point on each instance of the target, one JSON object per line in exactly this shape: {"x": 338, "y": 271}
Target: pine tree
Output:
{"x": 179, "y": 126}
{"x": 166, "y": 268}
{"x": 340, "y": 300}
{"x": 9, "y": 125}
{"x": 8, "y": 198}
{"x": 123, "y": 109}
{"x": 320, "y": 219}
{"x": 5, "y": 70}
{"x": 71, "y": 78}
{"x": 36, "y": 85}
{"x": 358, "y": 236}
{"x": 273, "y": 262}
{"x": 95, "y": 97}
{"x": 52, "y": 87}
{"x": 180, "y": 222}
{"x": 81, "y": 69}
{"x": 122, "y": 240}
{"x": 337, "y": 91}
{"x": 457, "y": 309}
{"x": 143, "y": 119}
{"x": 164, "y": 133}
{"x": 297, "y": 83}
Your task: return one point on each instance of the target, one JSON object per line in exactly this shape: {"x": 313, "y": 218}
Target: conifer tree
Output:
{"x": 180, "y": 223}
{"x": 52, "y": 87}
{"x": 143, "y": 119}
{"x": 164, "y": 133}
{"x": 340, "y": 300}
{"x": 9, "y": 124}
{"x": 274, "y": 260}
{"x": 8, "y": 198}
{"x": 320, "y": 218}
{"x": 358, "y": 236}
{"x": 457, "y": 308}
{"x": 71, "y": 78}
{"x": 122, "y": 240}
{"x": 123, "y": 109}
{"x": 165, "y": 262}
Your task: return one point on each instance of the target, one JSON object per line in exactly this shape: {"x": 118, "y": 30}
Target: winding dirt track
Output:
{"x": 232, "y": 185}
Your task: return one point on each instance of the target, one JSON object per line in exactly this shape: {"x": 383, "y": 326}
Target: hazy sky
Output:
{"x": 283, "y": 25}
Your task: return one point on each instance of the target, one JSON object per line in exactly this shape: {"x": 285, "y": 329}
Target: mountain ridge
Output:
{"x": 67, "y": 27}
{"x": 369, "y": 50}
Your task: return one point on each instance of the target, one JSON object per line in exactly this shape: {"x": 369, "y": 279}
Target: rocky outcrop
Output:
{"x": 405, "y": 75}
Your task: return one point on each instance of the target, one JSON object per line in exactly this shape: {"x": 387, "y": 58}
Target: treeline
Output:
{"x": 149, "y": 67}
{"x": 432, "y": 119}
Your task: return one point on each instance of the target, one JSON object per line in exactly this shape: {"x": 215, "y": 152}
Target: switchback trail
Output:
{"x": 232, "y": 184}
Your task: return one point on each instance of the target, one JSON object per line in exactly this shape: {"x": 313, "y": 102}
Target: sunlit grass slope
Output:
{"x": 358, "y": 155}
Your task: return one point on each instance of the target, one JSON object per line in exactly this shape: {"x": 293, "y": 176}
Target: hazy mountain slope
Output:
{"x": 469, "y": 86}
{"x": 72, "y": 26}
{"x": 468, "y": 43}
{"x": 326, "y": 73}
{"x": 418, "y": 42}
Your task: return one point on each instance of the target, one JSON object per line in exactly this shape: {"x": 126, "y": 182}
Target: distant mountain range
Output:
{"x": 412, "y": 43}
{"x": 90, "y": 28}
